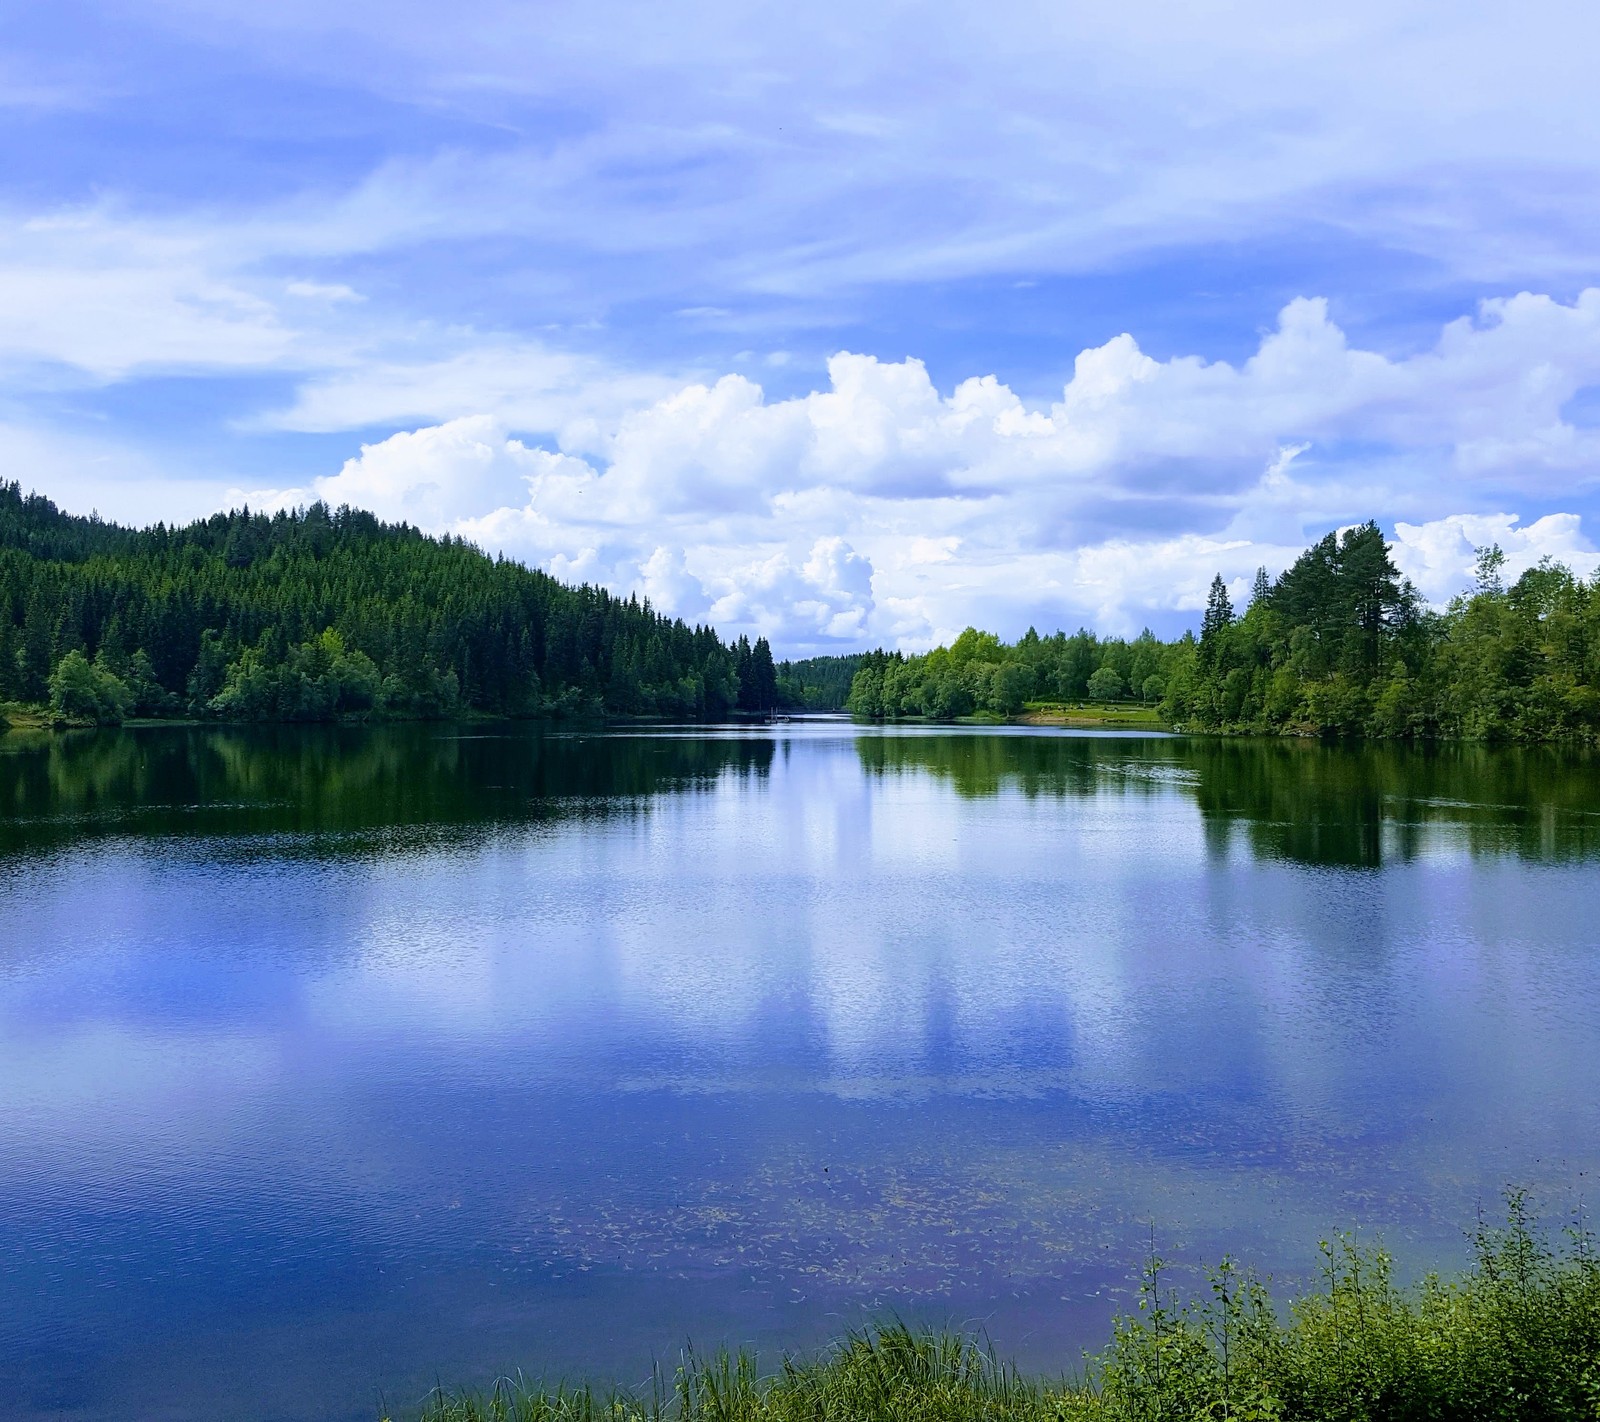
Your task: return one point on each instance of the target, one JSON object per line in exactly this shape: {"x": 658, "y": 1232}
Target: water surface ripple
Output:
{"x": 335, "y": 1063}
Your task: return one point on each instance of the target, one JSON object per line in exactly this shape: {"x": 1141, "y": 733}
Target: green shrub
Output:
{"x": 81, "y": 690}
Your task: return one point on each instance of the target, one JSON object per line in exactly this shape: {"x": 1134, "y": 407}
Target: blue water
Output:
{"x": 335, "y": 1064}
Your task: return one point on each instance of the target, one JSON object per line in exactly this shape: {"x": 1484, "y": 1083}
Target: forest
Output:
{"x": 1339, "y": 644}
{"x": 324, "y": 614}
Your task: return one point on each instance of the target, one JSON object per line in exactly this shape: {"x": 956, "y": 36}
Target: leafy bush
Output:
{"x": 317, "y": 681}
{"x": 81, "y": 690}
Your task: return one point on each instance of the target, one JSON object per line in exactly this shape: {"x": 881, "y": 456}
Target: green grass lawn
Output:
{"x": 1091, "y": 713}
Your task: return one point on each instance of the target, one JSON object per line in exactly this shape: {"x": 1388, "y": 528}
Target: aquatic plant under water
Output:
{"x": 1516, "y": 1337}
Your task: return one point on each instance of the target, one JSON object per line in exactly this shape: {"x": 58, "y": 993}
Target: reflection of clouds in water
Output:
{"x": 95, "y": 1086}
{"x": 919, "y": 934}
{"x": 900, "y": 936}
{"x": 816, "y": 1025}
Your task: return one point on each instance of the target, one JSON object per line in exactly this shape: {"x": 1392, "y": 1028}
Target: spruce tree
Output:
{"x": 763, "y": 676}
{"x": 1214, "y": 625}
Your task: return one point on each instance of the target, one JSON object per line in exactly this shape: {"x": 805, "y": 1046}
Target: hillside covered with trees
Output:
{"x": 817, "y": 683}
{"x": 322, "y": 613}
{"x": 1339, "y": 644}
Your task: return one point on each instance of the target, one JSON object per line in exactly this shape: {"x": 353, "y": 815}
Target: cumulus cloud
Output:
{"x": 827, "y": 598}
{"x": 438, "y": 476}
{"x": 882, "y": 509}
{"x": 1440, "y": 556}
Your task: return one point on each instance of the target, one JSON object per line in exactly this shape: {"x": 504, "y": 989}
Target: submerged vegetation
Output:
{"x": 1339, "y": 644}
{"x": 1517, "y": 1337}
{"x": 324, "y": 614}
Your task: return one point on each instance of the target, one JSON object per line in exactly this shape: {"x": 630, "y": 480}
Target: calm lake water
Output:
{"x": 335, "y": 1063}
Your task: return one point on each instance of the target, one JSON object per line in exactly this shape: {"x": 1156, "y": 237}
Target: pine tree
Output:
{"x": 763, "y": 677}
{"x": 1214, "y": 625}
{"x": 36, "y": 656}
{"x": 10, "y": 645}
{"x": 741, "y": 669}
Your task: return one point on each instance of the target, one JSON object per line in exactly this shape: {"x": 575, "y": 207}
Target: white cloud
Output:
{"x": 804, "y": 151}
{"x": 522, "y": 383}
{"x": 1440, "y": 556}
{"x": 107, "y": 298}
{"x": 744, "y": 159}
{"x": 825, "y": 599}
{"x": 879, "y": 508}
{"x": 438, "y": 476}
{"x": 669, "y": 584}
{"x": 323, "y": 291}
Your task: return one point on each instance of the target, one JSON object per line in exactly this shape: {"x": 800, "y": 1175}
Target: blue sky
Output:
{"x": 847, "y": 324}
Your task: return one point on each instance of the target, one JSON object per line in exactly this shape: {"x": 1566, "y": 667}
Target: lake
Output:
{"x": 335, "y": 1063}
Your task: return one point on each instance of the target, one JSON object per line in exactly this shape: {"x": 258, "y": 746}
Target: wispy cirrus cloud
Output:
{"x": 578, "y": 282}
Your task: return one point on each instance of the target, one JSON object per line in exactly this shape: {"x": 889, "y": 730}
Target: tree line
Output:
{"x": 1340, "y": 643}
{"x": 321, "y": 614}
{"x": 817, "y": 683}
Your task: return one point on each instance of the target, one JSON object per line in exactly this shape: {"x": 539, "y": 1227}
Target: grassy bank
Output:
{"x": 1044, "y": 713}
{"x": 1516, "y": 1337}
{"x": 14, "y": 713}
{"x": 1112, "y": 715}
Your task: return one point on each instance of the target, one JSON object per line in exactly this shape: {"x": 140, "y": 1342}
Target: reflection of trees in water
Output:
{"x": 1360, "y": 805}
{"x": 1301, "y": 800}
{"x": 1296, "y": 800}
{"x": 1307, "y": 801}
{"x": 330, "y": 780}
{"x": 979, "y": 765}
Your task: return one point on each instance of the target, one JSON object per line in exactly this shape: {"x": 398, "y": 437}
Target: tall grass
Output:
{"x": 1516, "y": 1337}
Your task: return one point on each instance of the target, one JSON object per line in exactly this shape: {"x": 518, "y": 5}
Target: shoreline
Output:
{"x": 1516, "y": 1336}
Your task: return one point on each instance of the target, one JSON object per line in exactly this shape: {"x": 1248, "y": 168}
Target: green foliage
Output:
{"x": 1517, "y": 1339}
{"x": 320, "y": 680}
{"x": 817, "y": 683}
{"x": 1339, "y": 645}
{"x": 979, "y": 673}
{"x": 81, "y": 690}
{"x": 323, "y": 614}
{"x": 758, "y": 677}
{"x": 1105, "y": 684}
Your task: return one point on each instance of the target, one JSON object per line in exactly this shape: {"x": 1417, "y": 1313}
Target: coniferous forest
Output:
{"x": 1339, "y": 644}
{"x": 321, "y": 613}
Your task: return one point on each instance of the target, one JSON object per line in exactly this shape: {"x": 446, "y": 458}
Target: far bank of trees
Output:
{"x": 1339, "y": 644}
{"x": 817, "y": 683}
{"x": 323, "y": 614}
